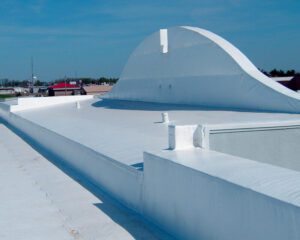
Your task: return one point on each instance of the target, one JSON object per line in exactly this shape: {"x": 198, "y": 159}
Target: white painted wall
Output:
{"x": 40, "y": 102}
{"x": 181, "y": 136}
{"x": 4, "y": 109}
{"x": 188, "y": 136}
{"x": 199, "y": 68}
{"x": 277, "y": 147}
{"x": 193, "y": 203}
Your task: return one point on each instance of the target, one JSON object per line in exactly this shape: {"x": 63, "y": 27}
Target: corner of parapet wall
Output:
{"x": 176, "y": 188}
{"x": 4, "y": 111}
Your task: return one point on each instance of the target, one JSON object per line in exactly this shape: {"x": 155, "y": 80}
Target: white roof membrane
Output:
{"x": 123, "y": 130}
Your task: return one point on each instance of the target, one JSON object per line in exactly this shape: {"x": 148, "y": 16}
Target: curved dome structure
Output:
{"x": 189, "y": 65}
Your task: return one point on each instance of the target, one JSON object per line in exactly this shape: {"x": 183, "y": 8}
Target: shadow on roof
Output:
{"x": 152, "y": 106}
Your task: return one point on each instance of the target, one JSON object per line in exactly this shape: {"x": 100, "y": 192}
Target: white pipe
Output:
{"x": 165, "y": 117}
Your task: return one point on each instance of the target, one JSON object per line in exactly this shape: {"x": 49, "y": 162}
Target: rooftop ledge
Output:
{"x": 94, "y": 136}
{"x": 275, "y": 182}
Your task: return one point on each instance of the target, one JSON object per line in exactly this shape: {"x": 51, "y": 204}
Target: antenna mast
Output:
{"x": 32, "y": 74}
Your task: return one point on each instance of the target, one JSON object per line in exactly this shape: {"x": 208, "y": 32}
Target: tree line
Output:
{"x": 85, "y": 80}
{"x": 280, "y": 73}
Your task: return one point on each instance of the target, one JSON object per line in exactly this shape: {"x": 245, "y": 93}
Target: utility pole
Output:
{"x": 31, "y": 81}
{"x": 65, "y": 85}
{"x": 32, "y": 73}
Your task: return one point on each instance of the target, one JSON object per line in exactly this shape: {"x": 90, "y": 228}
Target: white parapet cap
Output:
{"x": 163, "y": 34}
{"x": 28, "y": 103}
{"x": 253, "y": 126}
{"x": 193, "y": 136}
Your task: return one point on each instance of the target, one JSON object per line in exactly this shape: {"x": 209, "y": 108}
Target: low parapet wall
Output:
{"x": 200, "y": 194}
{"x": 40, "y": 102}
{"x": 122, "y": 182}
{"x": 276, "y": 144}
{"x": 271, "y": 142}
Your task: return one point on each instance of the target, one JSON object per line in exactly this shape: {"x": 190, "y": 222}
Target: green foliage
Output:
{"x": 38, "y": 83}
{"x": 3, "y": 96}
{"x": 279, "y": 73}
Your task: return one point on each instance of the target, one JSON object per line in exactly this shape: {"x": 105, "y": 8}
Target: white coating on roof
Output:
{"x": 122, "y": 130}
{"x": 39, "y": 201}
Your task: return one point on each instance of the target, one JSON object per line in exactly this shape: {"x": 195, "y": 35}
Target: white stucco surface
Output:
{"x": 124, "y": 129}
{"x": 199, "y": 68}
{"x": 39, "y": 201}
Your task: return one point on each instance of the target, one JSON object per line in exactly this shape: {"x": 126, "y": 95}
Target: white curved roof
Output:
{"x": 199, "y": 68}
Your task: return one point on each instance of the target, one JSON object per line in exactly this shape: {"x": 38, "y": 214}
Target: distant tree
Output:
{"x": 107, "y": 80}
{"x": 83, "y": 80}
{"x": 291, "y": 72}
{"x": 281, "y": 73}
{"x": 38, "y": 83}
{"x": 24, "y": 83}
{"x": 274, "y": 73}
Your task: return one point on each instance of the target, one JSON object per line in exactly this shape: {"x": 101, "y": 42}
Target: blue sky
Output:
{"x": 94, "y": 38}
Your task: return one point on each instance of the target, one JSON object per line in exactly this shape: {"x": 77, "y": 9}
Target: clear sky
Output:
{"x": 95, "y": 37}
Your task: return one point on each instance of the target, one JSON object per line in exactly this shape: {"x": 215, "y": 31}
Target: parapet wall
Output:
{"x": 277, "y": 146}
{"x": 119, "y": 180}
{"x": 40, "y": 102}
{"x": 273, "y": 142}
{"x": 193, "y": 203}
{"x": 191, "y": 193}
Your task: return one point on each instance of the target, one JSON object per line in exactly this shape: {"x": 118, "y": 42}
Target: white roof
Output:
{"x": 124, "y": 129}
{"x": 39, "y": 201}
{"x": 192, "y": 67}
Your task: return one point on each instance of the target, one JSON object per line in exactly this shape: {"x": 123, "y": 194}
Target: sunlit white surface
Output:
{"x": 39, "y": 201}
{"x": 124, "y": 129}
{"x": 200, "y": 68}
